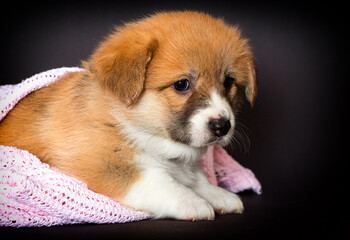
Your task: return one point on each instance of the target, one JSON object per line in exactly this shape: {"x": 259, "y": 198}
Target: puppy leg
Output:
{"x": 221, "y": 200}
{"x": 156, "y": 192}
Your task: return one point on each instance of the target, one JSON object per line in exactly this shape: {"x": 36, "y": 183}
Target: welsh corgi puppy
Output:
{"x": 154, "y": 95}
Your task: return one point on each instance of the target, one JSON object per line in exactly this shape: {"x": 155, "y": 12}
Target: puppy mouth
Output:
{"x": 214, "y": 140}
{"x": 207, "y": 138}
{"x": 220, "y": 140}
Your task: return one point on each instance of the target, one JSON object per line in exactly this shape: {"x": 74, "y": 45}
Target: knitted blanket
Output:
{"x": 34, "y": 194}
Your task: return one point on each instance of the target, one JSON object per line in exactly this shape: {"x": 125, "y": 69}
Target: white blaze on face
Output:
{"x": 200, "y": 132}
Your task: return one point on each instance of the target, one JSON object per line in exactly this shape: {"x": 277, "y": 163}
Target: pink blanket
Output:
{"x": 34, "y": 194}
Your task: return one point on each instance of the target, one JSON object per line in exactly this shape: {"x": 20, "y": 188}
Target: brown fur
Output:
{"x": 69, "y": 123}
{"x": 68, "y": 126}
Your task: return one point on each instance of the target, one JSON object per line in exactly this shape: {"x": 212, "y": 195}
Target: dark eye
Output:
{"x": 228, "y": 82}
{"x": 182, "y": 85}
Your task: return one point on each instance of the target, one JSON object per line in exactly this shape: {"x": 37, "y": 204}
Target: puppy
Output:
{"x": 133, "y": 125}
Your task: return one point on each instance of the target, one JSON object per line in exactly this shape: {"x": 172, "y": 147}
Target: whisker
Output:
{"x": 240, "y": 142}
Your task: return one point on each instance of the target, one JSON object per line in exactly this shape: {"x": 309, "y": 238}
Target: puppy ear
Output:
{"x": 121, "y": 61}
{"x": 251, "y": 88}
{"x": 247, "y": 74}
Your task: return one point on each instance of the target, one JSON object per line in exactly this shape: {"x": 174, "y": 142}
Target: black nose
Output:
{"x": 219, "y": 127}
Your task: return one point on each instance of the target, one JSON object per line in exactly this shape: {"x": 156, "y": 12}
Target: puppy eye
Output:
{"x": 228, "y": 82}
{"x": 182, "y": 85}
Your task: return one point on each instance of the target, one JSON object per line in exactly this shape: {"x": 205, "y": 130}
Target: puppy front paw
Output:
{"x": 220, "y": 199}
{"x": 225, "y": 202}
{"x": 194, "y": 209}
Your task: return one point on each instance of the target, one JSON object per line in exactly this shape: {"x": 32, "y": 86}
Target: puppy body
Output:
{"x": 132, "y": 126}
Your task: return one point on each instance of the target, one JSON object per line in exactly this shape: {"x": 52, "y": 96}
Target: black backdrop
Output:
{"x": 296, "y": 128}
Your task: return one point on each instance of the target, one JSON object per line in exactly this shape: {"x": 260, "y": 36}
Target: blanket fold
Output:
{"x": 34, "y": 194}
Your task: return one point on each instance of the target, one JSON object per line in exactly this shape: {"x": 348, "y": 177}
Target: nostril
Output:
{"x": 219, "y": 127}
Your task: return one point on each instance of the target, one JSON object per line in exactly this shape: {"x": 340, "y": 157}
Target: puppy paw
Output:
{"x": 229, "y": 204}
{"x": 194, "y": 210}
{"x": 224, "y": 202}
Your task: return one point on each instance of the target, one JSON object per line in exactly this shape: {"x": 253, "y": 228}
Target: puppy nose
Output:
{"x": 219, "y": 127}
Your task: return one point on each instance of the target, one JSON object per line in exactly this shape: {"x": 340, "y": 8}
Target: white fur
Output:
{"x": 218, "y": 107}
{"x": 178, "y": 190}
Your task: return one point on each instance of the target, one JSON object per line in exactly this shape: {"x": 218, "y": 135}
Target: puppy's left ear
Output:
{"x": 121, "y": 61}
{"x": 247, "y": 73}
{"x": 251, "y": 89}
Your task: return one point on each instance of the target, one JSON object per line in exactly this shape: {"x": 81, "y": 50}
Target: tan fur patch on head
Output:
{"x": 156, "y": 51}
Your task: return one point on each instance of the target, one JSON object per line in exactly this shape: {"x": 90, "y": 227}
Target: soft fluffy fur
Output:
{"x": 123, "y": 128}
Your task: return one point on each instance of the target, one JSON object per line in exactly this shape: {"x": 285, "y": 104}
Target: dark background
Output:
{"x": 296, "y": 129}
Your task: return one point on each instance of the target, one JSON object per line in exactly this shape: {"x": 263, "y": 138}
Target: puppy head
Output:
{"x": 180, "y": 74}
